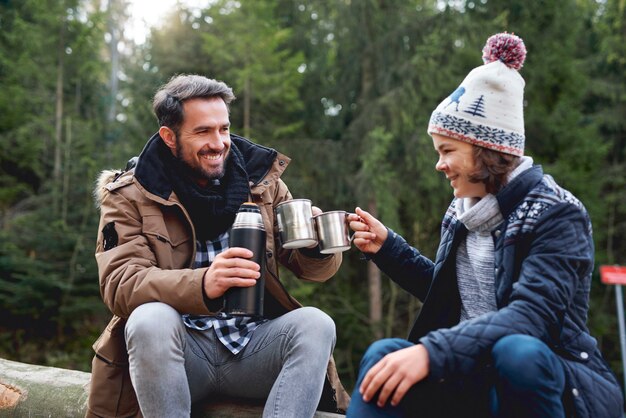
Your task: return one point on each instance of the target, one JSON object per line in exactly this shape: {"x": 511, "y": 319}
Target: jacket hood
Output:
{"x": 104, "y": 178}
{"x": 150, "y": 173}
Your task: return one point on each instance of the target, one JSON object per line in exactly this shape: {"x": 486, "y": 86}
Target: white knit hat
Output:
{"x": 487, "y": 108}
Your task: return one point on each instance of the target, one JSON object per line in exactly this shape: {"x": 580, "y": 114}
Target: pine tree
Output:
{"x": 52, "y": 119}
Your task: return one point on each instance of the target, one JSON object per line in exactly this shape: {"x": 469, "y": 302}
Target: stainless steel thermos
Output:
{"x": 248, "y": 232}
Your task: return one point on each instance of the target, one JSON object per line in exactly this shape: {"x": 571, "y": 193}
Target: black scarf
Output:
{"x": 212, "y": 208}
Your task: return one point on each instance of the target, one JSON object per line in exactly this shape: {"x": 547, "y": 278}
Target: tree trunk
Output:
{"x": 66, "y": 171}
{"x": 368, "y": 72}
{"x": 246, "y": 107}
{"x": 58, "y": 119}
{"x": 375, "y": 291}
{"x": 87, "y": 213}
{"x": 113, "y": 26}
{"x": 391, "y": 312}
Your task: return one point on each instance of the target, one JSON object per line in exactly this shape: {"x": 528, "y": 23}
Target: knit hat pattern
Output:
{"x": 487, "y": 109}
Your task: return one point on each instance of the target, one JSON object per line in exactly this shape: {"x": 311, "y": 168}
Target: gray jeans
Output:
{"x": 172, "y": 366}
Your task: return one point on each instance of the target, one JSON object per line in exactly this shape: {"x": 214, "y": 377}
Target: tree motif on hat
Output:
{"x": 477, "y": 108}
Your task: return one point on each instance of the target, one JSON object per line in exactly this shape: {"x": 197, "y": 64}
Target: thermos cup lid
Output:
{"x": 249, "y": 216}
{"x": 248, "y": 207}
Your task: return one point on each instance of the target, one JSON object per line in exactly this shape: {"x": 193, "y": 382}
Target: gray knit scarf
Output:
{"x": 475, "y": 255}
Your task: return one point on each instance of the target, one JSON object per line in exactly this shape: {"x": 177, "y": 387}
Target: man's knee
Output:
{"x": 314, "y": 323}
{"x": 525, "y": 362}
{"x": 152, "y": 321}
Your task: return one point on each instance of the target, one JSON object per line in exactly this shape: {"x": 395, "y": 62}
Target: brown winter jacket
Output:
{"x": 149, "y": 258}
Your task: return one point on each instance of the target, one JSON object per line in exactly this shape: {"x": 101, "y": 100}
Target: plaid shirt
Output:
{"x": 233, "y": 331}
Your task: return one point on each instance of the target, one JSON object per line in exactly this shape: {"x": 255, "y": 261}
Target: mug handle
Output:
{"x": 350, "y": 237}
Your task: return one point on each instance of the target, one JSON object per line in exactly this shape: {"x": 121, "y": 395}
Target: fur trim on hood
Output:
{"x": 100, "y": 190}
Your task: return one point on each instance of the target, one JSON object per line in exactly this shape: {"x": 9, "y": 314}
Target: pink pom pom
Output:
{"x": 505, "y": 47}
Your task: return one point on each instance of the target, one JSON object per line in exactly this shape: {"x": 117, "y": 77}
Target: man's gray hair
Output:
{"x": 168, "y": 100}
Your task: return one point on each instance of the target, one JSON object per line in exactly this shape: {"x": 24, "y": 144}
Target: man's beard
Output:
{"x": 199, "y": 172}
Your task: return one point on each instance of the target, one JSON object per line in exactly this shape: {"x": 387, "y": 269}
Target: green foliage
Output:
{"x": 51, "y": 72}
{"x": 25, "y": 43}
{"x": 243, "y": 45}
{"x": 378, "y": 175}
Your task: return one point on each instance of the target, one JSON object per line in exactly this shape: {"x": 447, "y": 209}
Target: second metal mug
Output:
{"x": 333, "y": 232}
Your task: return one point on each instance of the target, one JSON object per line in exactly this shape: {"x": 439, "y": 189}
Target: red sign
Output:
{"x": 613, "y": 274}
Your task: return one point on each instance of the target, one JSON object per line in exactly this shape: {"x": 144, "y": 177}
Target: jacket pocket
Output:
{"x": 111, "y": 393}
{"x": 111, "y": 345}
{"x": 173, "y": 233}
{"x": 170, "y": 241}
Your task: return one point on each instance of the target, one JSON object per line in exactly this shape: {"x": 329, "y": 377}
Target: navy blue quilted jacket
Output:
{"x": 543, "y": 265}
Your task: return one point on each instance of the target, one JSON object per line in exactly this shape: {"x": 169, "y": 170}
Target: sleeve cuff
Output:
{"x": 214, "y": 305}
{"x": 391, "y": 235}
{"x": 313, "y": 252}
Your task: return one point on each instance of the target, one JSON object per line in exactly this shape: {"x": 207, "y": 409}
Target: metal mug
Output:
{"x": 333, "y": 231}
{"x": 295, "y": 224}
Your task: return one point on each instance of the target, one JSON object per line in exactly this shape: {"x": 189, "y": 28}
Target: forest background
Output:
{"x": 344, "y": 87}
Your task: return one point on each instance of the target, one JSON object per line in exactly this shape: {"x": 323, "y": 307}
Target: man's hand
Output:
{"x": 395, "y": 374}
{"x": 315, "y": 211}
{"x": 231, "y": 268}
{"x": 369, "y": 232}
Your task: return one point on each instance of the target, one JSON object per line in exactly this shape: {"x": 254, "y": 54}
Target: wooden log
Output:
{"x": 36, "y": 391}
{"x": 28, "y": 390}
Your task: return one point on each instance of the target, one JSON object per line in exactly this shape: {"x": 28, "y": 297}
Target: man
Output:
{"x": 164, "y": 266}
